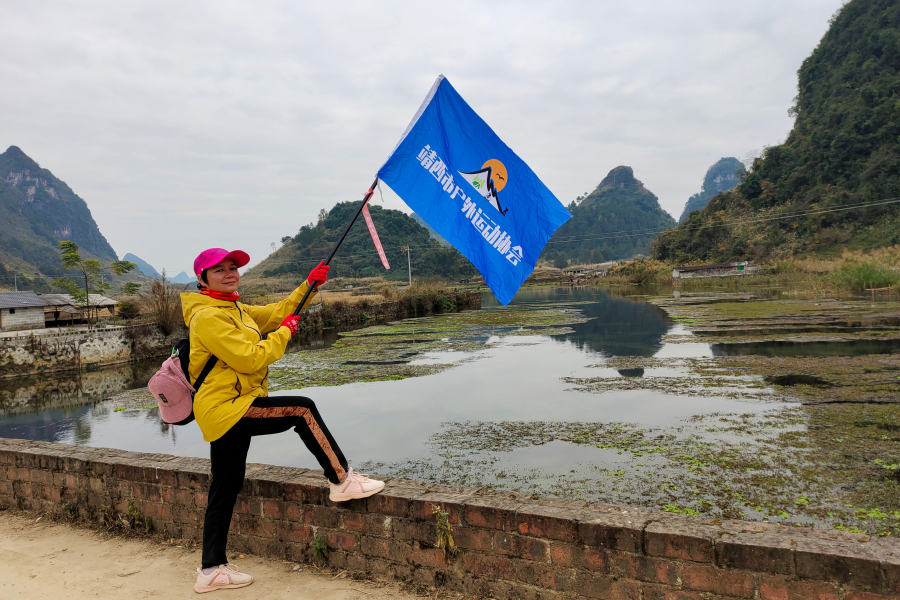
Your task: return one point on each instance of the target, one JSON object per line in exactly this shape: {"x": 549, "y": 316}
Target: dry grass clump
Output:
{"x": 163, "y": 304}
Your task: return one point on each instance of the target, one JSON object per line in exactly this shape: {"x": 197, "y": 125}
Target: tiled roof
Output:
{"x": 20, "y": 300}
{"x": 66, "y": 299}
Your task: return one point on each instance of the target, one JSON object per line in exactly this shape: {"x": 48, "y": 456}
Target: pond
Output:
{"x": 573, "y": 392}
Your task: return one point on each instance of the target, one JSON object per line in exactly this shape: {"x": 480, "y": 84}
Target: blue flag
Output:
{"x": 454, "y": 171}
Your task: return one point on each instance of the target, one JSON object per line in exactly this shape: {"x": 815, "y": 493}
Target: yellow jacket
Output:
{"x": 233, "y": 332}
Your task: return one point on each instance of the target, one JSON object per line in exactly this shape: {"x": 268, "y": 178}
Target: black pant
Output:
{"x": 228, "y": 455}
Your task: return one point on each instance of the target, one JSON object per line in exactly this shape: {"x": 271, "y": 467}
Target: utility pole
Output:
{"x": 409, "y": 264}
{"x": 16, "y": 280}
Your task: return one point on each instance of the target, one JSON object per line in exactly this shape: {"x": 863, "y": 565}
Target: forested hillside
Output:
{"x": 844, "y": 150}
{"x": 357, "y": 257}
{"x": 39, "y": 210}
{"x": 721, "y": 177}
{"x": 617, "y": 220}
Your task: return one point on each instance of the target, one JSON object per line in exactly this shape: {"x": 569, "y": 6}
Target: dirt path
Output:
{"x": 51, "y": 560}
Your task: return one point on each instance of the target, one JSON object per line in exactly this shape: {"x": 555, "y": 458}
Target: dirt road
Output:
{"x": 51, "y": 560}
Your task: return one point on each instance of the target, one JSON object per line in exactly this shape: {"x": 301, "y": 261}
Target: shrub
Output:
{"x": 164, "y": 304}
{"x": 128, "y": 310}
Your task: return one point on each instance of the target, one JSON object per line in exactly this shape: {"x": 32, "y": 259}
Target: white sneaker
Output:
{"x": 354, "y": 486}
{"x": 223, "y": 578}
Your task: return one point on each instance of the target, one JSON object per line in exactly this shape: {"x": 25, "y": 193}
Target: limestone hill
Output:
{"x": 833, "y": 184}
{"x": 617, "y": 220}
{"x": 39, "y": 210}
{"x": 357, "y": 256}
{"x": 721, "y": 177}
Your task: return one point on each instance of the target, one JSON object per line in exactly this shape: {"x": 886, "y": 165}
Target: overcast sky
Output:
{"x": 186, "y": 125}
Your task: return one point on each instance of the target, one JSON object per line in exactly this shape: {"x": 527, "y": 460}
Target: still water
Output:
{"x": 384, "y": 423}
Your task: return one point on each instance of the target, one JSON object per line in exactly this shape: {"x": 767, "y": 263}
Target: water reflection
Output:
{"x": 507, "y": 378}
{"x": 621, "y": 326}
{"x": 70, "y": 389}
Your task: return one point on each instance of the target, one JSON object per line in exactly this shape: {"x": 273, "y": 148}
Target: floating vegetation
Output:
{"x": 379, "y": 354}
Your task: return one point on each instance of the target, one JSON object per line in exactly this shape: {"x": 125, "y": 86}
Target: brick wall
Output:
{"x": 511, "y": 546}
{"x": 23, "y": 318}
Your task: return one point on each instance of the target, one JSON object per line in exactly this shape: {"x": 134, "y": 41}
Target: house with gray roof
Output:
{"x": 21, "y": 310}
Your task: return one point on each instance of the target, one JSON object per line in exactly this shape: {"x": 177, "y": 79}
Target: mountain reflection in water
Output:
{"x": 619, "y": 326}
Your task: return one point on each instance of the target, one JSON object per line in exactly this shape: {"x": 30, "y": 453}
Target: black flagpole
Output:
{"x": 311, "y": 288}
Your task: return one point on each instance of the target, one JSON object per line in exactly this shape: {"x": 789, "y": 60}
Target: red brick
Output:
{"x": 557, "y": 522}
{"x": 247, "y": 505}
{"x": 295, "y": 532}
{"x": 420, "y": 531}
{"x": 840, "y": 561}
{"x": 606, "y": 588}
{"x": 486, "y": 565}
{"x": 384, "y": 548}
{"x": 273, "y": 509}
{"x": 493, "y": 510}
{"x": 339, "y": 539}
{"x": 394, "y": 503}
{"x": 762, "y": 552}
{"x": 545, "y": 576}
{"x": 156, "y": 511}
{"x": 643, "y": 569}
{"x": 889, "y": 551}
{"x": 779, "y": 588}
{"x": 307, "y": 488}
{"x": 613, "y": 527}
{"x": 352, "y": 521}
{"x": 654, "y": 593}
{"x": 184, "y": 514}
{"x": 679, "y": 537}
{"x": 473, "y": 538}
{"x": 450, "y": 499}
{"x": 40, "y": 476}
{"x": 428, "y": 557}
{"x": 723, "y": 581}
{"x": 520, "y": 547}
{"x": 566, "y": 555}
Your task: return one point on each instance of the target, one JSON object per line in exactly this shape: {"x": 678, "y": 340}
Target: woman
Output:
{"x": 232, "y": 405}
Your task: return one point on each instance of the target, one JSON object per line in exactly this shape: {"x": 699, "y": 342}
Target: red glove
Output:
{"x": 319, "y": 274}
{"x": 292, "y": 322}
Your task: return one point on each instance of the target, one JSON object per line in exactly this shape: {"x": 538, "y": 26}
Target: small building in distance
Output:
{"x": 21, "y": 310}
{"x": 61, "y": 308}
{"x": 731, "y": 269}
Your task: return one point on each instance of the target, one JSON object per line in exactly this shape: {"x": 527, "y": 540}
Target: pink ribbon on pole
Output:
{"x": 374, "y": 234}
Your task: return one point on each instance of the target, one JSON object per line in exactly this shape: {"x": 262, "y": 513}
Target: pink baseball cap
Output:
{"x": 213, "y": 256}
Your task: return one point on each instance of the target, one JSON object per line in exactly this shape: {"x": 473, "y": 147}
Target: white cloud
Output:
{"x": 189, "y": 125}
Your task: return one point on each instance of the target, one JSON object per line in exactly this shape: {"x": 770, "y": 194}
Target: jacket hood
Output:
{"x": 192, "y": 302}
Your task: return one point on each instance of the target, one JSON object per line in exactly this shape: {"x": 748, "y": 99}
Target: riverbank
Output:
{"x": 44, "y": 351}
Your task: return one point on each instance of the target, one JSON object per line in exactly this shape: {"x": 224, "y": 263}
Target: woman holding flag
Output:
{"x": 232, "y": 405}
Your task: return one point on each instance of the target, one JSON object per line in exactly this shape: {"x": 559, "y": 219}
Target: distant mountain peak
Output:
{"x": 40, "y": 210}
{"x": 620, "y": 177}
{"x": 603, "y": 225}
{"x": 142, "y": 265}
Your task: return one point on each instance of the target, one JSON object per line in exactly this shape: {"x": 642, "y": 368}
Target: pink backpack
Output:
{"x": 172, "y": 388}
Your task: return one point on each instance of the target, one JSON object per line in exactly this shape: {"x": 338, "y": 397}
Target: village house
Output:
{"x": 61, "y": 308}
{"x": 21, "y": 310}
{"x": 717, "y": 270}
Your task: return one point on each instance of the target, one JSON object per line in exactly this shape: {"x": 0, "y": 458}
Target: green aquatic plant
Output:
{"x": 443, "y": 531}
{"x": 319, "y": 548}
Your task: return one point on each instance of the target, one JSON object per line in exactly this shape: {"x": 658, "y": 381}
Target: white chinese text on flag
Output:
{"x": 454, "y": 171}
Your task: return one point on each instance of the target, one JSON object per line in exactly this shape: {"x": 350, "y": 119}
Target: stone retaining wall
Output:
{"x": 47, "y": 351}
{"x": 510, "y": 545}
{"x": 44, "y": 351}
